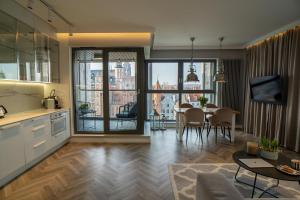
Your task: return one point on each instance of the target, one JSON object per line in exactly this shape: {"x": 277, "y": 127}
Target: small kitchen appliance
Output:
{"x": 51, "y": 102}
{"x": 3, "y": 111}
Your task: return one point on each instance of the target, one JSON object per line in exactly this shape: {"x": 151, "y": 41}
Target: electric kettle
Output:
{"x": 3, "y": 111}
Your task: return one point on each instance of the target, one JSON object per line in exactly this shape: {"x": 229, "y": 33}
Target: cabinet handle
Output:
{"x": 39, "y": 144}
{"x": 38, "y": 128}
{"x": 57, "y": 135}
{"x": 10, "y": 126}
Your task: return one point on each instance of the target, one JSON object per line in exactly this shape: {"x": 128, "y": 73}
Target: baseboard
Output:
{"x": 121, "y": 139}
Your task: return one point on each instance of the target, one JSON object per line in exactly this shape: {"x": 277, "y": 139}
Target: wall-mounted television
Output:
{"x": 267, "y": 89}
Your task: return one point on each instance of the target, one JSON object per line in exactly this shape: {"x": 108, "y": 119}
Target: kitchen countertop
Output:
{"x": 17, "y": 117}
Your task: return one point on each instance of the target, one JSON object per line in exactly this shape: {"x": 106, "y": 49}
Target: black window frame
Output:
{"x": 180, "y": 80}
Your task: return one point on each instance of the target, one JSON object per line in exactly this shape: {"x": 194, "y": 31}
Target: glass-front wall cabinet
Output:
{"x": 26, "y": 54}
{"x": 8, "y": 54}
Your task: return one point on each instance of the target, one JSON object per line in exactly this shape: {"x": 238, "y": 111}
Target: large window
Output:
{"x": 163, "y": 76}
{"x": 167, "y": 85}
{"x": 204, "y": 72}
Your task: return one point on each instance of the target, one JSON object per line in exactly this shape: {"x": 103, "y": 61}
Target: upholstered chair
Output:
{"x": 221, "y": 118}
{"x": 186, "y": 105}
{"x": 194, "y": 118}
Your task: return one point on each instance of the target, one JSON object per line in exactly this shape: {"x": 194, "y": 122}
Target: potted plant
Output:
{"x": 269, "y": 149}
{"x": 84, "y": 107}
{"x": 203, "y": 100}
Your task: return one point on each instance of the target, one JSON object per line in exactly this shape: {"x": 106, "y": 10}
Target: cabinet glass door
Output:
{"x": 54, "y": 60}
{"x": 8, "y": 58}
{"x": 42, "y": 57}
{"x": 25, "y": 44}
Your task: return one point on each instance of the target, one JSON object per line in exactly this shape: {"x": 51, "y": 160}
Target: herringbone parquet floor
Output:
{"x": 114, "y": 171}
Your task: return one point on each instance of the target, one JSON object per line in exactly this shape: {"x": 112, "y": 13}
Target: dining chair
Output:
{"x": 194, "y": 118}
{"x": 207, "y": 115}
{"x": 221, "y": 118}
{"x": 186, "y": 105}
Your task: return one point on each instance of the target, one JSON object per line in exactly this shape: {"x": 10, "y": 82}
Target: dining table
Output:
{"x": 180, "y": 115}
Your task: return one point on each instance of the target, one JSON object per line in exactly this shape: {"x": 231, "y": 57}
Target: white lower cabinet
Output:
{"x": 37, "y": 137}
{"x": 12, "y": 156}
{"x": 25, "y": 143}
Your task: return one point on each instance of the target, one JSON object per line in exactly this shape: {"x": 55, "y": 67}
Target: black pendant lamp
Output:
{"x": 192, "y": 77}
{"x": 220, "y": 75}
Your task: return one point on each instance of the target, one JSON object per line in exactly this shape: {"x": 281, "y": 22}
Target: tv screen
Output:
{"x": 267, "y": 89}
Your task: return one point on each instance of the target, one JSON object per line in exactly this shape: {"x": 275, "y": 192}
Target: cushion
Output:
{"x": 213, "y": 186}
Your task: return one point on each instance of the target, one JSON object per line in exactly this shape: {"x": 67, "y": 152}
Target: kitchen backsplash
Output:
{"x": 20, "y": 97}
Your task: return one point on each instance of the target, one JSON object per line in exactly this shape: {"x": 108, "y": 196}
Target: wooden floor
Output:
{"x": 115, "y": 171}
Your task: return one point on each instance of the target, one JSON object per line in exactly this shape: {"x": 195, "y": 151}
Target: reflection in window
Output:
{"x": 192, "y": 98}
{"x": 122, "y": 75}
{"x": 204, "y": 71}
{"x": 164, "y": 103}
{"x": 8, "y": 63}
{"x": 163, "y": 76}
{"x": 9, "y": 71}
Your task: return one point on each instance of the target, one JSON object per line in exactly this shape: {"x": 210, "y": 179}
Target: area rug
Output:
{"x": 183, "y": 180}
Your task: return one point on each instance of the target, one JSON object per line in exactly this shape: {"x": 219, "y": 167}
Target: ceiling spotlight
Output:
{"x": 70, "y": 30}
{"x": 30, "y": 4}
{"x": 50, "y": 17}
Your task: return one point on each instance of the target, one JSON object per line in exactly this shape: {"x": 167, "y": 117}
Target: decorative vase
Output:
{"x": 269, "y": 154}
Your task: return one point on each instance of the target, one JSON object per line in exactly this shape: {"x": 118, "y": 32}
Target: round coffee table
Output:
{"x": 270, "y": 172}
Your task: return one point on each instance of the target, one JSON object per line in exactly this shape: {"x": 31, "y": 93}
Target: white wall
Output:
{"x": 19, "y": 97}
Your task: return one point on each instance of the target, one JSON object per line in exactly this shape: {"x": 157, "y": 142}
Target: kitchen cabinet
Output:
{"x": 25, "y": 53}
{"x": 42, "y": 57}
{"x": 54, "y": 61}
{"x": 12, "y": 157}
{"x": 37, "y": 137}
{"x": 25, "y": 46}
{"x": 8, "y": 53}
{"x": 26, "y": 142}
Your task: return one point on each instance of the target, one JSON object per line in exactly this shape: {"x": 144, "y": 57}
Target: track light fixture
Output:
{"x": 50, "y": 17}
{"x": 30, "y": 4}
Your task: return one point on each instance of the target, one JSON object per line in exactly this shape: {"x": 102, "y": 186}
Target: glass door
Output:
{"x": 107, "y": 91}
{"x": 88, "y": 90}
{"x": 123, "y": 91}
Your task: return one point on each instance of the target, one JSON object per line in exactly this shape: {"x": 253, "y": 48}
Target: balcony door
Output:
{"x": 107, "y": 91}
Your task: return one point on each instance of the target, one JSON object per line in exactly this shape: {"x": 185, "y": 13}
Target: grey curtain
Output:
{"x": 232, "y": 92}
{"x": 277, "y": 55}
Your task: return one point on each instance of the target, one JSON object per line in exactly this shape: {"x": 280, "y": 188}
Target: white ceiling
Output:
{"x": 174, "y": 21}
